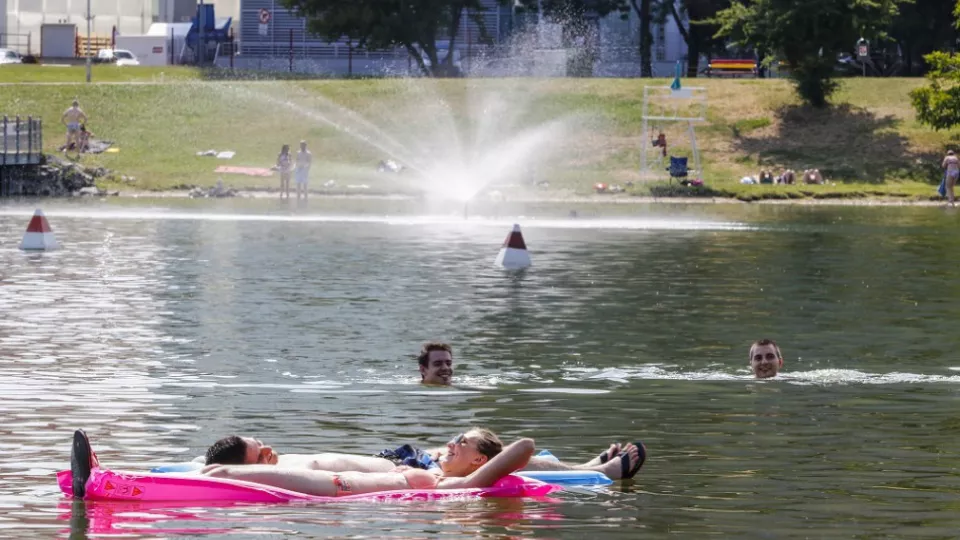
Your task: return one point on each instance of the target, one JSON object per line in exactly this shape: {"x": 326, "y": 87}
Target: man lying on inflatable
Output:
{"x": 464, "y": 467}
{"x": 461, "y": 456}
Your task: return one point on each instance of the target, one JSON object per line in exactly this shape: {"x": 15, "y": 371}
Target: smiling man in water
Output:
{"x": 436, "y": 363}
{"x": 765, "y": 359}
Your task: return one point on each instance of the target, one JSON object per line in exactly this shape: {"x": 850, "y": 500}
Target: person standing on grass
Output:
{"x": 284, "y": 165}
{"x": 951, "y": 166}
{"x": 302, "y": 172}
{"x": 72, "y": 118}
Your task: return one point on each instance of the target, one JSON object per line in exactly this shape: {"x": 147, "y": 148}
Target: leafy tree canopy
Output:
{"x": 415, "y": 25}
{"x": 807, "y": 34}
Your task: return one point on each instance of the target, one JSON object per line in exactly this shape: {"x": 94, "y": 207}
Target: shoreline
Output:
{"x": 553, "y": 198}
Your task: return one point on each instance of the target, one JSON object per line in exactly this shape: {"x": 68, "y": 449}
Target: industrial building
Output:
{"x": 23, "y": 22}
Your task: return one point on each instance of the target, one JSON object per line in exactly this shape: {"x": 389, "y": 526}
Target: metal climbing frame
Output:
{"x": 661, "y": 105}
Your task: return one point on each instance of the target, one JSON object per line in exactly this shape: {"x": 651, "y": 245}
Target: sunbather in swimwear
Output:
{"x": 465, "y": 467}
{"x": 472, "y": 459}
{"x": 616, "y": 462}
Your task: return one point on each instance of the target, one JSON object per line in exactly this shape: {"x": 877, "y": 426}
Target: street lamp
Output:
{"x": 89, "y": 60}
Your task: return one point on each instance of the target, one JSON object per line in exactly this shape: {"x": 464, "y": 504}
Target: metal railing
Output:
{"x": 21, "y": 140}
{"x": 17, "y": 42}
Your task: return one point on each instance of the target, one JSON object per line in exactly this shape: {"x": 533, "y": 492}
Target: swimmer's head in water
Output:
{"x": 765, "y": 359}
{"x": 468, "y": 451}
{"x": 235, "y": 450}
{"x": 436, "y": 363}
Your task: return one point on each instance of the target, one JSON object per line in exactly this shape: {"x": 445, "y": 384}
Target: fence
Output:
{"x": 21, "y": 143}
{"x": 476, "y": 60}
{"x": 17, "y": 42}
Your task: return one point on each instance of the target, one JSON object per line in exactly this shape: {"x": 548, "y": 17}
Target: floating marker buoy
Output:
{"x": 514, "y": 255}
{"x": 39, "y": 235}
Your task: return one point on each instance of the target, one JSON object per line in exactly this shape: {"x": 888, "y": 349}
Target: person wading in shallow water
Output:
{"x": 302, "y": 172}
{"x": 436, "y": 363}
{"x": 951, "y": 168}
{"x": 765, "y": 359}
{"x": 284, "y": 166}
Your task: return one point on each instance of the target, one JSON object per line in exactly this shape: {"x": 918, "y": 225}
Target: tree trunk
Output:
{"x": 646, "y": 40}
{"x": 455, "y": 17}
{"x": 643, "y": 11}
{"x": 691, "y": 37}
{"x": 693, "y": 51}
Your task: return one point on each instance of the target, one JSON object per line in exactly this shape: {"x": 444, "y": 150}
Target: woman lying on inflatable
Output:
{"x": 617, "y": 462}
{"x": 473, "y": 461}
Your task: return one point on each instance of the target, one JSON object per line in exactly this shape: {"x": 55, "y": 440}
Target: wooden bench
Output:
{"x": 732, "y": 68}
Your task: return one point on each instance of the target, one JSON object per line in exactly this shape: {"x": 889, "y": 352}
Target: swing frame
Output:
{"x": 661, "y": 105}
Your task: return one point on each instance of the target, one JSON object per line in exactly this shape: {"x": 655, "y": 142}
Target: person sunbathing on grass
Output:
{"x": 617, "y": 462}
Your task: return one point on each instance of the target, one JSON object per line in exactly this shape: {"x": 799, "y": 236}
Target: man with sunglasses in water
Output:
{"x": 765, "y": 359}
{"x": 473, "y": 446}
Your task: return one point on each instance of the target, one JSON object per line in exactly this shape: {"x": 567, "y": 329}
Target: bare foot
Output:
{"x": 614, "y": 468}
{"x": 610, "y": 454}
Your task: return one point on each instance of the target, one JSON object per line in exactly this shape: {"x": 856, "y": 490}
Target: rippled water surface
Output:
{"x": 162, "y": 326}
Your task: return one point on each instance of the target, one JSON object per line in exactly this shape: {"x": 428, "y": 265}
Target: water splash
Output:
{"x": 452, "y": 138}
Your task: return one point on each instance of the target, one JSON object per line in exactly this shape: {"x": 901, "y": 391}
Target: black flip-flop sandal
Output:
{"x": 626, "y": 471}
{"x": 605, "y": 456}
{"x": 80, "y": 463}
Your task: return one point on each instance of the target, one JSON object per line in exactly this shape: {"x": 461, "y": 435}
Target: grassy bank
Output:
{"x": 868, "y": 145}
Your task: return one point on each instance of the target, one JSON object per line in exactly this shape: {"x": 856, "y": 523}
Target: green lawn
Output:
{"x": 867, "y": 145}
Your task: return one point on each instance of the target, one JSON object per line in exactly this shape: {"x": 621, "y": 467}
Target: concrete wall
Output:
{"x": 3, "y": 20}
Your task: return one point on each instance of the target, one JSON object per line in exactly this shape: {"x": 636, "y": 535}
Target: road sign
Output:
{"x": 264, "y": 30}
{"x": 264, "y": 15}
{"x": 862, "y": 51}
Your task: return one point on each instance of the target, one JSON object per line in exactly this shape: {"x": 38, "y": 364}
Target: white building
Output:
{"x": 21, "y": 20}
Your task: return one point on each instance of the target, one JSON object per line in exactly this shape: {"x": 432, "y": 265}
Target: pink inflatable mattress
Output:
{"x": 146, "y": 487}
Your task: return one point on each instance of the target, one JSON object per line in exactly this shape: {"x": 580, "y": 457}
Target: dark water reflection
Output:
{"x": 160, "y": 329}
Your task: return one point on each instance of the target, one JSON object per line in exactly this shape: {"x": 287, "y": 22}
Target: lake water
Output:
{"x": 163, "y": 325}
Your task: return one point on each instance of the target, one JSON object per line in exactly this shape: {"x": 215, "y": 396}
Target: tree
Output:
{"x": 415, "y": 25}
{"x": 922, "y": 27}
{"x": 938, "y": 105}
{"x": 578, "y": 18}
{"x": 643, "y": 9}
{"x": 700, "y": 36}
{"x": 808, "y": 34}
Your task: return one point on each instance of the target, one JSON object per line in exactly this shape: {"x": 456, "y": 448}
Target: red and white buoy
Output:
{"x": 39, "y": 235}
{"x": 514, "y": 255}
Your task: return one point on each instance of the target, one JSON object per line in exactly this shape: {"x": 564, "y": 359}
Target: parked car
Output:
{"x": 8, "y": 56}
{"x": 120, "y": 57}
